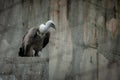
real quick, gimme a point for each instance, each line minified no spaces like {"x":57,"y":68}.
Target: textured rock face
{"x":85,"y":45}
{"x":32,"y":68}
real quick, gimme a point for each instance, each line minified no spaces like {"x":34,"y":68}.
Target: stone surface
{"x":24,"y":69}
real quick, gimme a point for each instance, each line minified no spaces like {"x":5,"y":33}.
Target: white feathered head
{"x":43,"y":28}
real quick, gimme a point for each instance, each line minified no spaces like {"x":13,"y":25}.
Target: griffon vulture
{"x":35,"y":39}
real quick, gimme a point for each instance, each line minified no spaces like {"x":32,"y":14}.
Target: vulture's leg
{"x":36,"y":53}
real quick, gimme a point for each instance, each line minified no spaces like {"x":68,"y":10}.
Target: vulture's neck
{"x":47,"y":26}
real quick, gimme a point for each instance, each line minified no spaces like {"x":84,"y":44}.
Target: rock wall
{"x":85,"y":45}
{"x":31,"y":68}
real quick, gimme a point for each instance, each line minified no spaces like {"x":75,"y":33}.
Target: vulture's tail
{"x":21,"y":52}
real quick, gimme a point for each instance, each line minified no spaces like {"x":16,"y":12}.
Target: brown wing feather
{"x":28,"y":38}
{"x":46,"y":39}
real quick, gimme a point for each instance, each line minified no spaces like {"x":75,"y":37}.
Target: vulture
{"x":35,"y":39}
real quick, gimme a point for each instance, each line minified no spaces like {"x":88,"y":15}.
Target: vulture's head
{"x":43,"y":28}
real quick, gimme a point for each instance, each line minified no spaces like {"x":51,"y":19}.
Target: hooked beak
{"x":53,"y":26}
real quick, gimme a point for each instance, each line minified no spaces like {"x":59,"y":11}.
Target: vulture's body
{"x":35,"y":39}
